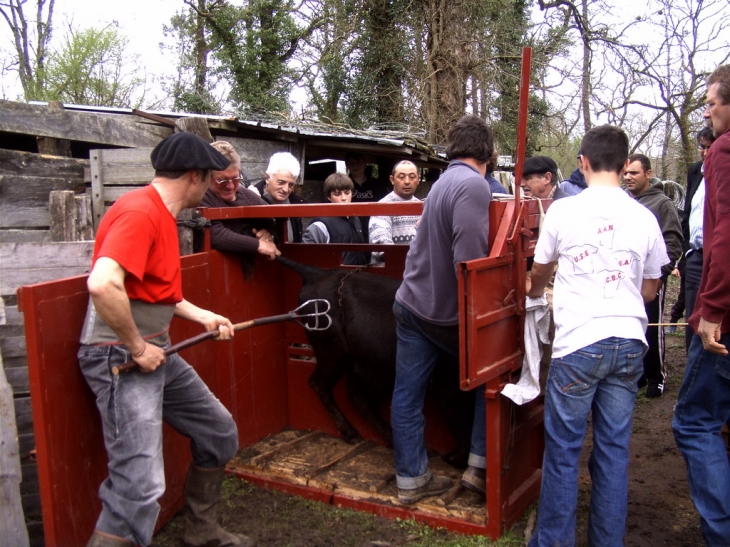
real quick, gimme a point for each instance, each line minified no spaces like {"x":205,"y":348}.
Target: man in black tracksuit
{"x":649,"y":192}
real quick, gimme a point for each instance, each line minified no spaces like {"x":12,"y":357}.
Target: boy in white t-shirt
{"x":609,"y":250}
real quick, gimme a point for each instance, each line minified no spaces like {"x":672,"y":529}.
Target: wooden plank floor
{"x":363,"y":471}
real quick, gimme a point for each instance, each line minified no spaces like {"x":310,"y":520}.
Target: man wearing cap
{"x":240,"y":235}
{"x":278,"y":189}
{"x":540,"y":178}
{"x":135,"y":288}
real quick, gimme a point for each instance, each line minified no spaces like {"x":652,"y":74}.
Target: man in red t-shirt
{"x":135,"y":288}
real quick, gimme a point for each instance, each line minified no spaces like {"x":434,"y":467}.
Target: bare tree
{"x":670,"y":71}
{"x":31,"y":38}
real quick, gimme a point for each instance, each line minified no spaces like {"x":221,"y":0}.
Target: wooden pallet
{"x":361,"y":472}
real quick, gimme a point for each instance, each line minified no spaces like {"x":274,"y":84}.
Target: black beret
{"x":539,"y":164}
{"x":185,"y":151}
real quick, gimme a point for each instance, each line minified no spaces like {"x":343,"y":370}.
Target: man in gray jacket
{"x":648,"y":191}
{"x":454,"y":228}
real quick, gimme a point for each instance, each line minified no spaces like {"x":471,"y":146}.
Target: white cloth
{"x":696,"y":216}
{"x":606,"y":244}
{"x":537,"y":332}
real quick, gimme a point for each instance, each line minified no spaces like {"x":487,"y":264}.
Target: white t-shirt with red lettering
{"x":605,"y":244}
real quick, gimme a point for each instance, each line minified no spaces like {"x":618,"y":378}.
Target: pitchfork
{"x":319,"y":319}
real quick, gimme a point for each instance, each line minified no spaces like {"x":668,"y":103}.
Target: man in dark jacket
{"x":575,"y":183}
{"x":692,"y":231}
{"x":649,"y":192}
{"x":278,"y":189}
{"x":240,"y":235}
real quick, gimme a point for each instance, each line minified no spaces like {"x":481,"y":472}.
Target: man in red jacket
{"x":704,"y":398}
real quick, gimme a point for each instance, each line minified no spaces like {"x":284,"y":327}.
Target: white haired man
{"x":278,"y":189}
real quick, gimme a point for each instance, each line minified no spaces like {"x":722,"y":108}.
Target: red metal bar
{"x":313,"y":210}
{"x":522,"y":119}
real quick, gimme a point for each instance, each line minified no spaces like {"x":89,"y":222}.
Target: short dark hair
{"x":470,"y":137}
{"x":707,"y":134}
{"x":642,"y":159}
{"x":402,"y":162}
{"x":493,"y":160}
{"x":337,"y":181}
{"x":606,"y":147}
{"x":721,"y":75}
{"x":349,"y":156}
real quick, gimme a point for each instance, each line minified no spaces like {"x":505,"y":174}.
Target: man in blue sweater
{"x":454,"y":228}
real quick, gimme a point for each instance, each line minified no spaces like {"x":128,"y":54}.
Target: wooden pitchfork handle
{"x":293,"y":315}
{"x":129,"y":365}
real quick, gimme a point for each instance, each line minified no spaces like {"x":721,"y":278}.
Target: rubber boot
{"x":103,"y":540}
{"x":203,"y":494}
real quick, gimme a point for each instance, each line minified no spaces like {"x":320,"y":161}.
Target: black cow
{"x":361,"y":343}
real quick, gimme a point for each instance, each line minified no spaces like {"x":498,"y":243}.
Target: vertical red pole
{"x":522,"y":121}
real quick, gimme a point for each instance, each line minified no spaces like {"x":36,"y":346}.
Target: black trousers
{"x":692,"y":278}
{"x":655,"y":370}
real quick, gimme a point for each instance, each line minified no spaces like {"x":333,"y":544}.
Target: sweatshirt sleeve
{"x":672,"y":234}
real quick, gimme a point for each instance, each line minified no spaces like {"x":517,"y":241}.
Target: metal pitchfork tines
{"x":320,"y":311}
{"x":316,"y":309}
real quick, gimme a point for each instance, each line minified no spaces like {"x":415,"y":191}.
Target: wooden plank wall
{"x":26,"y":180}
{"x":23,"y":264}
{"x":92,"y":127}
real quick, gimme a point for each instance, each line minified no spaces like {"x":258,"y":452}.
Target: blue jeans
{"x":420,"y":345}
{"x":702,"y":407}
{"x":602,"y":379}
{"x":133,"y":406}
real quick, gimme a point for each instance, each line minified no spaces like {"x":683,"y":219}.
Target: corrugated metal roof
{"x":302,"y":128}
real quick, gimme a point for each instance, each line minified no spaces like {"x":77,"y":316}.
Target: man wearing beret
{"x":135,"y":289}
{"x":540,"y":178}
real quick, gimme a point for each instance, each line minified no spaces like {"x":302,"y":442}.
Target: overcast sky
{"x":140,"y":21}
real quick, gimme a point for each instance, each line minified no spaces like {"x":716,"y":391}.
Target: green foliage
{"x":428,"y":537}
{"x":91,"y":68}
{"x":192,"y":89}
{"x":375,"y":94}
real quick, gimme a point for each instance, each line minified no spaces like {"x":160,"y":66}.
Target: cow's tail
{"x":307,"y":272}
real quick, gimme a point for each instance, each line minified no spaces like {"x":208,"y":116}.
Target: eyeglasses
{"x":235,"y":180}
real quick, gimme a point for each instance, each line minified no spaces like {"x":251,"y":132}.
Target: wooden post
{"x":198,"y":126}
{"x":195,"y":124}
{"x":70,"y":216}
{"x":12,"y":520}
{"x":51,"y":146}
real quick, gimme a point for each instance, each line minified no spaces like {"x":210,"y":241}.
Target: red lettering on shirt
{"x":607,"y":228}
{"x":581,"y":256}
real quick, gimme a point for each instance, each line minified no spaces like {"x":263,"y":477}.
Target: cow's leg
{"x":367,"y":401}
{"x":457,"y":407}
{"x":323,"y":381}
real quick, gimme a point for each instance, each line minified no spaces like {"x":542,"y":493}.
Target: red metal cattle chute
{"x":261,"y":376}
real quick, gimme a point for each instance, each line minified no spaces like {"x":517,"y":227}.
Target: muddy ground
{"x":660,"y":508}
